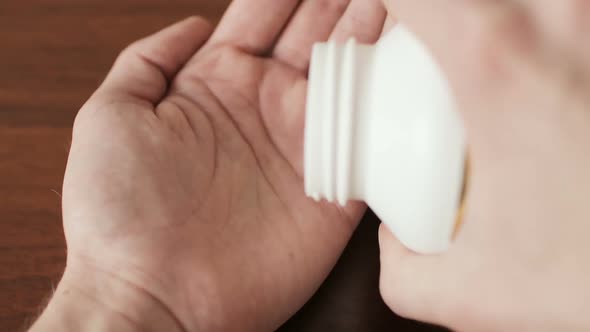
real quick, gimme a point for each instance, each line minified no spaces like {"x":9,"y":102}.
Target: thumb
{"x":412,"y":285}
{"x":144,"y":70}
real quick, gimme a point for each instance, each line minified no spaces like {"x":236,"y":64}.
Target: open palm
{"x":185,"y":173}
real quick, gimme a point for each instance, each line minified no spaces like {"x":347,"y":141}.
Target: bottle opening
{"x":329,"y":122}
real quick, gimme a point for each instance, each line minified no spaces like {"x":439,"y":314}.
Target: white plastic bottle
{"x":382,"y":127}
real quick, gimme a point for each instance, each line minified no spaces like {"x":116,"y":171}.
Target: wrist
{"x":90,"y":300}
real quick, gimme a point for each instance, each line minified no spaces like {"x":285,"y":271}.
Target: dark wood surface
{"x":53,"y":54}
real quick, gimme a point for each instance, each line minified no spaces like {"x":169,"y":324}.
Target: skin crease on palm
{"x":183,"y":195}
{"x":185,"y":173}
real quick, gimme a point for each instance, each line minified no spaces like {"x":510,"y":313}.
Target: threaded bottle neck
{"x":330,"y":130}
{"x":382,"y":127}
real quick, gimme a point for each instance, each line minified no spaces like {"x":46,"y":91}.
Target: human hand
{"x":184,"y":181}
{"x":521,"y":262}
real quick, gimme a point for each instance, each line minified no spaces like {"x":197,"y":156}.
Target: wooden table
{"x":53,"y":54}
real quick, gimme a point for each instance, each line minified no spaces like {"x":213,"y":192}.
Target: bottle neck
{"x":382,"y":127}
{"x":333,"y":171}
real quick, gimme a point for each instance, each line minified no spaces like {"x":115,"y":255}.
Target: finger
{"x":390,"y":22}
{"x":363,"y":20}
{"x":282,"y":107}
{"x":254,"y":25}
{"x":313,"y":22}
{"x":412,"y":286}
{"x":144,"y":70}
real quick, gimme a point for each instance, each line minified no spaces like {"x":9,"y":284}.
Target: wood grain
{"x":53,"y":54}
